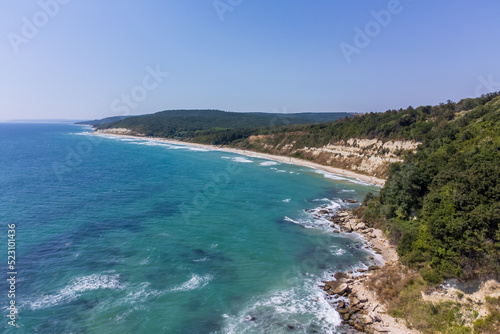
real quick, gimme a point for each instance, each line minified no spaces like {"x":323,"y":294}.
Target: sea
{"x":124,"y":235}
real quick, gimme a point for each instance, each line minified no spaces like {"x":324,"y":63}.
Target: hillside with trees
{"x":212,"y":126}
{"x":442,"y":204}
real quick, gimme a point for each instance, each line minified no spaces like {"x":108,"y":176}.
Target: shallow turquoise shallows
{"x":130,"y":236}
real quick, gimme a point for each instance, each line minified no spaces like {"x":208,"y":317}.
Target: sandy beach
{"x":288,"y":160}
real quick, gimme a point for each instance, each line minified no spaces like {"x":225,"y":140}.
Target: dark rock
{"x":353,"y":301}
{"x":371,"y":258}
{"x":361,"y":270}
{"x":290,"y":327}
{"x":347,"y":200}
{"x":339,"y":275}
{"x":377,"y":318}
{"x":336,"y":231}
{"x":373,"y":268}
{"x":358,"y":327}
{"x":341,"y":304}
{"x":343,"y":310}
{"x":346,"y":316}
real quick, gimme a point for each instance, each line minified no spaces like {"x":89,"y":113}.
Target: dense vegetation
{"x":405,"y":124}
{"x":442,"y":204}
{"x":213,"y":126}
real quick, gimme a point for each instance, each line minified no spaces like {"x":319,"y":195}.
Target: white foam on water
{"x":335,"y":250}
{"x":242,"y":159}
{"x":203,"y":259}
{"x":197,"y":149}
{"x":141,"y":294}
{"x":314,"y":219}
{"x":287,"y":200}
{"x":303,"y":307}
{"x":75,"y":289}
{"x":341,"y":178}
{"x":269,"y":163}
{"x":238,"y":159}
{"x":194,"y":283}
{"x":121,"y":318}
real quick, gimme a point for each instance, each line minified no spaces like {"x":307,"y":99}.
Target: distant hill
{"x":213,"y":126}
{"x":98,"y":122}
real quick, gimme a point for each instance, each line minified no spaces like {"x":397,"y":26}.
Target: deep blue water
{"x":130,"y":236}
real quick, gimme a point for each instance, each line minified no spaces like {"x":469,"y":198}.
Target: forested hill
{"x":213,"y":126}
{"x":441,"y":205}
{"x":98,"y":122}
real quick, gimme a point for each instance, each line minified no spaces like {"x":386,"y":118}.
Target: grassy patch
{"x":401,"y":290}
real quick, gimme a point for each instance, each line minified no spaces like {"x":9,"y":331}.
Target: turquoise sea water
{"x":129,"y":236}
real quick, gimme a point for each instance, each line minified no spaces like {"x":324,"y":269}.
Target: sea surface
{"x":118,"y":235}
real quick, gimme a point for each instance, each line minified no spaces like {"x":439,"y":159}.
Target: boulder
{"x":343,"y":310}
{"x":341,"y":289}
{"x":358,"y":327}
{"x":366,"y":320}
{"x":339,"y":275}
{"x":373,"y":268}
{"x":353,"y":301}
{"x":341,"y":304}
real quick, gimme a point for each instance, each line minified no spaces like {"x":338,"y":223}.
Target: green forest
{"x":210,"y":126}
{"x":441,"y":205}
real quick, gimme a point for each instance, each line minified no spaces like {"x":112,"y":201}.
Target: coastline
{"x":284,"y":159}
{"x":350,"y":293}
{"x":373,"y":312}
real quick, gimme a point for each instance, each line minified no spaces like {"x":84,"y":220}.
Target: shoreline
{"x":283,"y":159}
{"x":357,"y":304}
{"x":371,"y":311}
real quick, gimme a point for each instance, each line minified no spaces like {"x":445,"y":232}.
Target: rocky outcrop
{"x":119,"y":131}
{"x":353,"y":306}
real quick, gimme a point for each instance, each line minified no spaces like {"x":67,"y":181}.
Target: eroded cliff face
{"x":119,"y":131}
{"x":367,"y":156}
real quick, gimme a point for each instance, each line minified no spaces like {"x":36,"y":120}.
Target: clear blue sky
{"x":85,"y":56}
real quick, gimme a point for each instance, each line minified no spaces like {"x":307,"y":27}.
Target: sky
{"x":70,"y":59}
